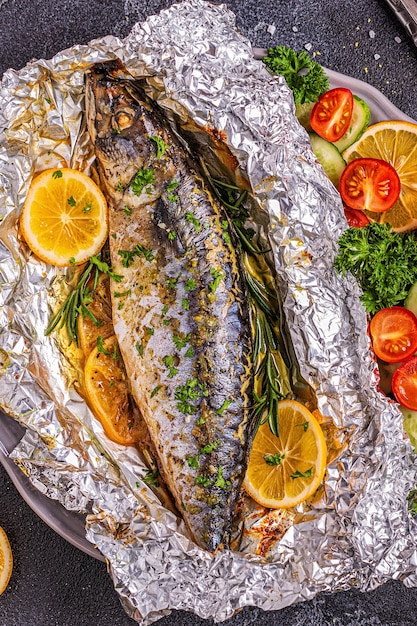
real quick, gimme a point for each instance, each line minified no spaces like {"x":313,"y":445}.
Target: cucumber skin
{"x":329,"y":158}
{"x":360,"y":108}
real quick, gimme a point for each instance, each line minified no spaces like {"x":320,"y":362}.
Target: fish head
{"x":116,"y":123}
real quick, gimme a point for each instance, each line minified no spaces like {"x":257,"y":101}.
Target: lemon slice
{"x":107,"y":391}
{"x":64,"y":217}
{"x":6,"y":561}
{"x":396,"y":142}
{"x":286,"y":470}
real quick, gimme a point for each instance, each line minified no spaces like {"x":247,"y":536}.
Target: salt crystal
{"x":294,"y":29}
{"x":372,"y":34}
{"x":271,"y":29}
{"x":397,"y":39}
{"x":308,"y":46}
{"x":377,"y":56}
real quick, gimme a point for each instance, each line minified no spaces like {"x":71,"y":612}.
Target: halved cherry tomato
{"x":331,"y":115}
{"x":404,"y":384}
{"x":369,"y":185}
{"x":355,"y":218}
{"x":394,"y":334}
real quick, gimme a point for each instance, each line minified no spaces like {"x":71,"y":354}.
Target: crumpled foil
{"x":358,"y":533}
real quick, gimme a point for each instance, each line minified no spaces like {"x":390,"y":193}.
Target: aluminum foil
{"x":357,"y":532}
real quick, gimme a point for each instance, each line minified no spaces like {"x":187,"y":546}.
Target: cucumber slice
{"x":303,"y":112}
{"x":329,"y":158}
{"x":410,"y":425}
{"x":361,"y":116}
{"x":410,"y":302}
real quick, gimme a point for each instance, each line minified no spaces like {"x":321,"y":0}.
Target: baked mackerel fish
{"x":180,"y":313}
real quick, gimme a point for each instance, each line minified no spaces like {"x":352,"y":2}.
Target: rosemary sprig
{"x":270,"y":355}
{"x":78,"y":299}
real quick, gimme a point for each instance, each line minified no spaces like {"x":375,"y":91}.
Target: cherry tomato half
{"x":404,"y":384}
{"x":331,"y":115}
{"x":369,"y":185}
{"x":394,"y":334}
{"x":355,"y":218}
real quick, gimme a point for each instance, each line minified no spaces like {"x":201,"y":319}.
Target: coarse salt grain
{"x":271,"y":29}
{"x":397,"y":39}
{"x":372,"y":34}
{"x":377,"y":56}
{"x":294,"y":29}
{"x":308,"y":46}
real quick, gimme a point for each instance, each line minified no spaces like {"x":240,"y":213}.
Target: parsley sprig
{"x":383,"y":262}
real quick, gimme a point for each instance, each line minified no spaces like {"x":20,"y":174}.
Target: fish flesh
{"x":180,"y":311}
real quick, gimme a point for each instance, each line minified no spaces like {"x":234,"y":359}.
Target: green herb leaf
{"x":306,"y":474}
{"x":193,"y":461}
{"x":71,"y":201}
{"x":161,"y":146}
{"x":274,"y":459}
{"x":190,"y":217}
{"x":155,"y":390}
{"x":190,"y":284}
{"x":139,"y":348}
{"x":217,"y":276}
{"x":143,"y":178}
{"x":88,"y":207}
{"x":202,"y":480}
{"x":224,"y":406}
{"x":57,"y":174}
{"x":150,"y":477}
{"x":210,"y":447}
{"x":220,"y":481}
{"x":168,"y":361}
{"x":306,"y":78}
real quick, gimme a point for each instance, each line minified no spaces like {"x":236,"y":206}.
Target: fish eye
{"x":123,"y":118}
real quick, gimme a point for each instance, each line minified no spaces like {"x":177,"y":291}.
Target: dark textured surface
{"x":54,"y":584}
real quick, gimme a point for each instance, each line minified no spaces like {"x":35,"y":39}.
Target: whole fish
{"x":181,"y":311}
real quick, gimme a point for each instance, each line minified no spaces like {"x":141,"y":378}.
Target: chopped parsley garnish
{"x":220,"y":480}
{"x":139,"y":348}
{"x":150,"y":477}
{"x":150,"y":330}
{"x":102,"y":349}
{"x":57,"y":174}
{"x":155,"y":390}
{"x":200,"y":421}
{"x":185,"y":303}
{"x":190,"y":284}
{"x":168,"y":361}
{"x":306,"y":474}
{"x":164,"y":309}
{"x":88,"y":207}
{"x":190,"y":217}
{"x":304,"y":425}
{"x":172,"y":234}
{"x":122,"y":294}
{"x":172,"y":185}
{"x":72,"y":260}
{"x":210,"y":447}
{"x":127,"y":210}
{"x":71,"y":201}
{"x":104,"y":267}
{"x":161,"y":146}
{"x":202,"y":480}
{"x":193,"y":461}
{"x":217,"y":277}
{"x":180,"y":342}
{"x":172,"y":282}
{"x":274,"y":459}
{"x":119,"y":187}
{"x":172,"y":197}
{"x":190,"y":353}
{"x":224,"y":406}
{"x":143,"y":178}
{"x":184,"y":394}
{"x":139,"y":251}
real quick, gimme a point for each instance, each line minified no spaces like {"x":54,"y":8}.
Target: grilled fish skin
{"x":183,"y":328}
